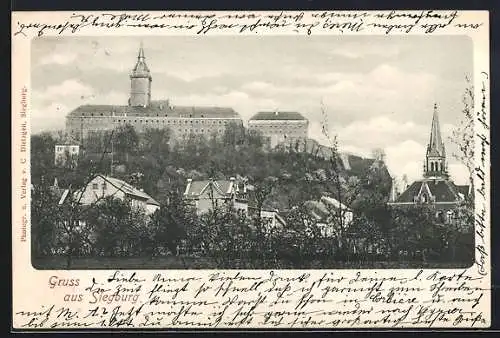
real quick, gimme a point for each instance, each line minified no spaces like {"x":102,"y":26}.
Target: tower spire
{"x":435,"y":142}
{"x":435,"y":162}
{"x":141,"y":56}
{"x":140,"y":82}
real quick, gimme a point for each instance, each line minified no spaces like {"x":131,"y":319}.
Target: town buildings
{"x":205,"y":195}
{"x":280,"y":127}
{"x":143,"y":113}
{"x":435,"y":188}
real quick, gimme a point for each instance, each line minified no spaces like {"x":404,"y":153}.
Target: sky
{"x":378,"y":91}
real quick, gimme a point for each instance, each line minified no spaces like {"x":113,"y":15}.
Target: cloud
{"x":71,"y":87}
{"x":357,"y":51}
{"x":240,"y":101}
{"x":405,"y":158}
{"x":47,"y":118}
{"x":58,"y":59}
{"x":379,"y":132}
{"x":458,"y":173}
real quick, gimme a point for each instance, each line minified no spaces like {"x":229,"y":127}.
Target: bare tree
{"x":463,"y":135}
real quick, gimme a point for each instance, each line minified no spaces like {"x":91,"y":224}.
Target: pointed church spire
{"x":435,"y":143}
{"x":435,"y":162}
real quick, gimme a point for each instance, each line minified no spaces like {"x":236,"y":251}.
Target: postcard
{"x":251,"y":170}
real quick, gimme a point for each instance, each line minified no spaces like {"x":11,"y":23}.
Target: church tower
{"x":140,"y":82}
{"x":435,"y":159}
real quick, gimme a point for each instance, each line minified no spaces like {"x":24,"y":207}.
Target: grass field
{"x":189,"y":262}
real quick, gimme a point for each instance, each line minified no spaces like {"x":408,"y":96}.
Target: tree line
{"x":283,"y":179}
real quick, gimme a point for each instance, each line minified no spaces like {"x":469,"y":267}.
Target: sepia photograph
{"x":252,"y":152}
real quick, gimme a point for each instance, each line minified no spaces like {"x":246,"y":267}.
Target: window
{"x":95,"y":186}
{"x":103,"y":185}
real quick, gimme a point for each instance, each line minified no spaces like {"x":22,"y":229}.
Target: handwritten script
{"x":203,"y":23}
{"x":234,"y":299}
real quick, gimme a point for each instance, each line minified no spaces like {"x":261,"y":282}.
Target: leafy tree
{"x":171,"y":222}
{"x":125,"y":141}
{"x":43,"y":220}
{"x":155,"y":142}
{"x":118,"y":229}
{"x":42,"y":156}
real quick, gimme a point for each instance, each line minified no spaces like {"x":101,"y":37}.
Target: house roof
{"x":155,"y":109}
{"x":196,"y":188}
{"x":126,"y":188}
{"x":443,"y":190}
{"x":326,"y":200}
{"x":122,"y":186}
{"x":280,"y":115}
{"x":321,"y":209}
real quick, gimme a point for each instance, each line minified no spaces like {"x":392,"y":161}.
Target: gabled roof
{"x":280,"y":115}
{"x":443,"y":191}
{"x":333,"y":202}
{"x":126,"y":188}
{"x":197,"y":188}
{"x":121,"y":185}
{"x":321,"y":209}
{"x":155,"y":109}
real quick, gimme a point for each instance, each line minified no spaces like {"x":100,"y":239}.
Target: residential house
{"x":105,"y":186}
{"x":204,"y":195}
{"x":271,"y":218}
{"x":328,"y":214}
